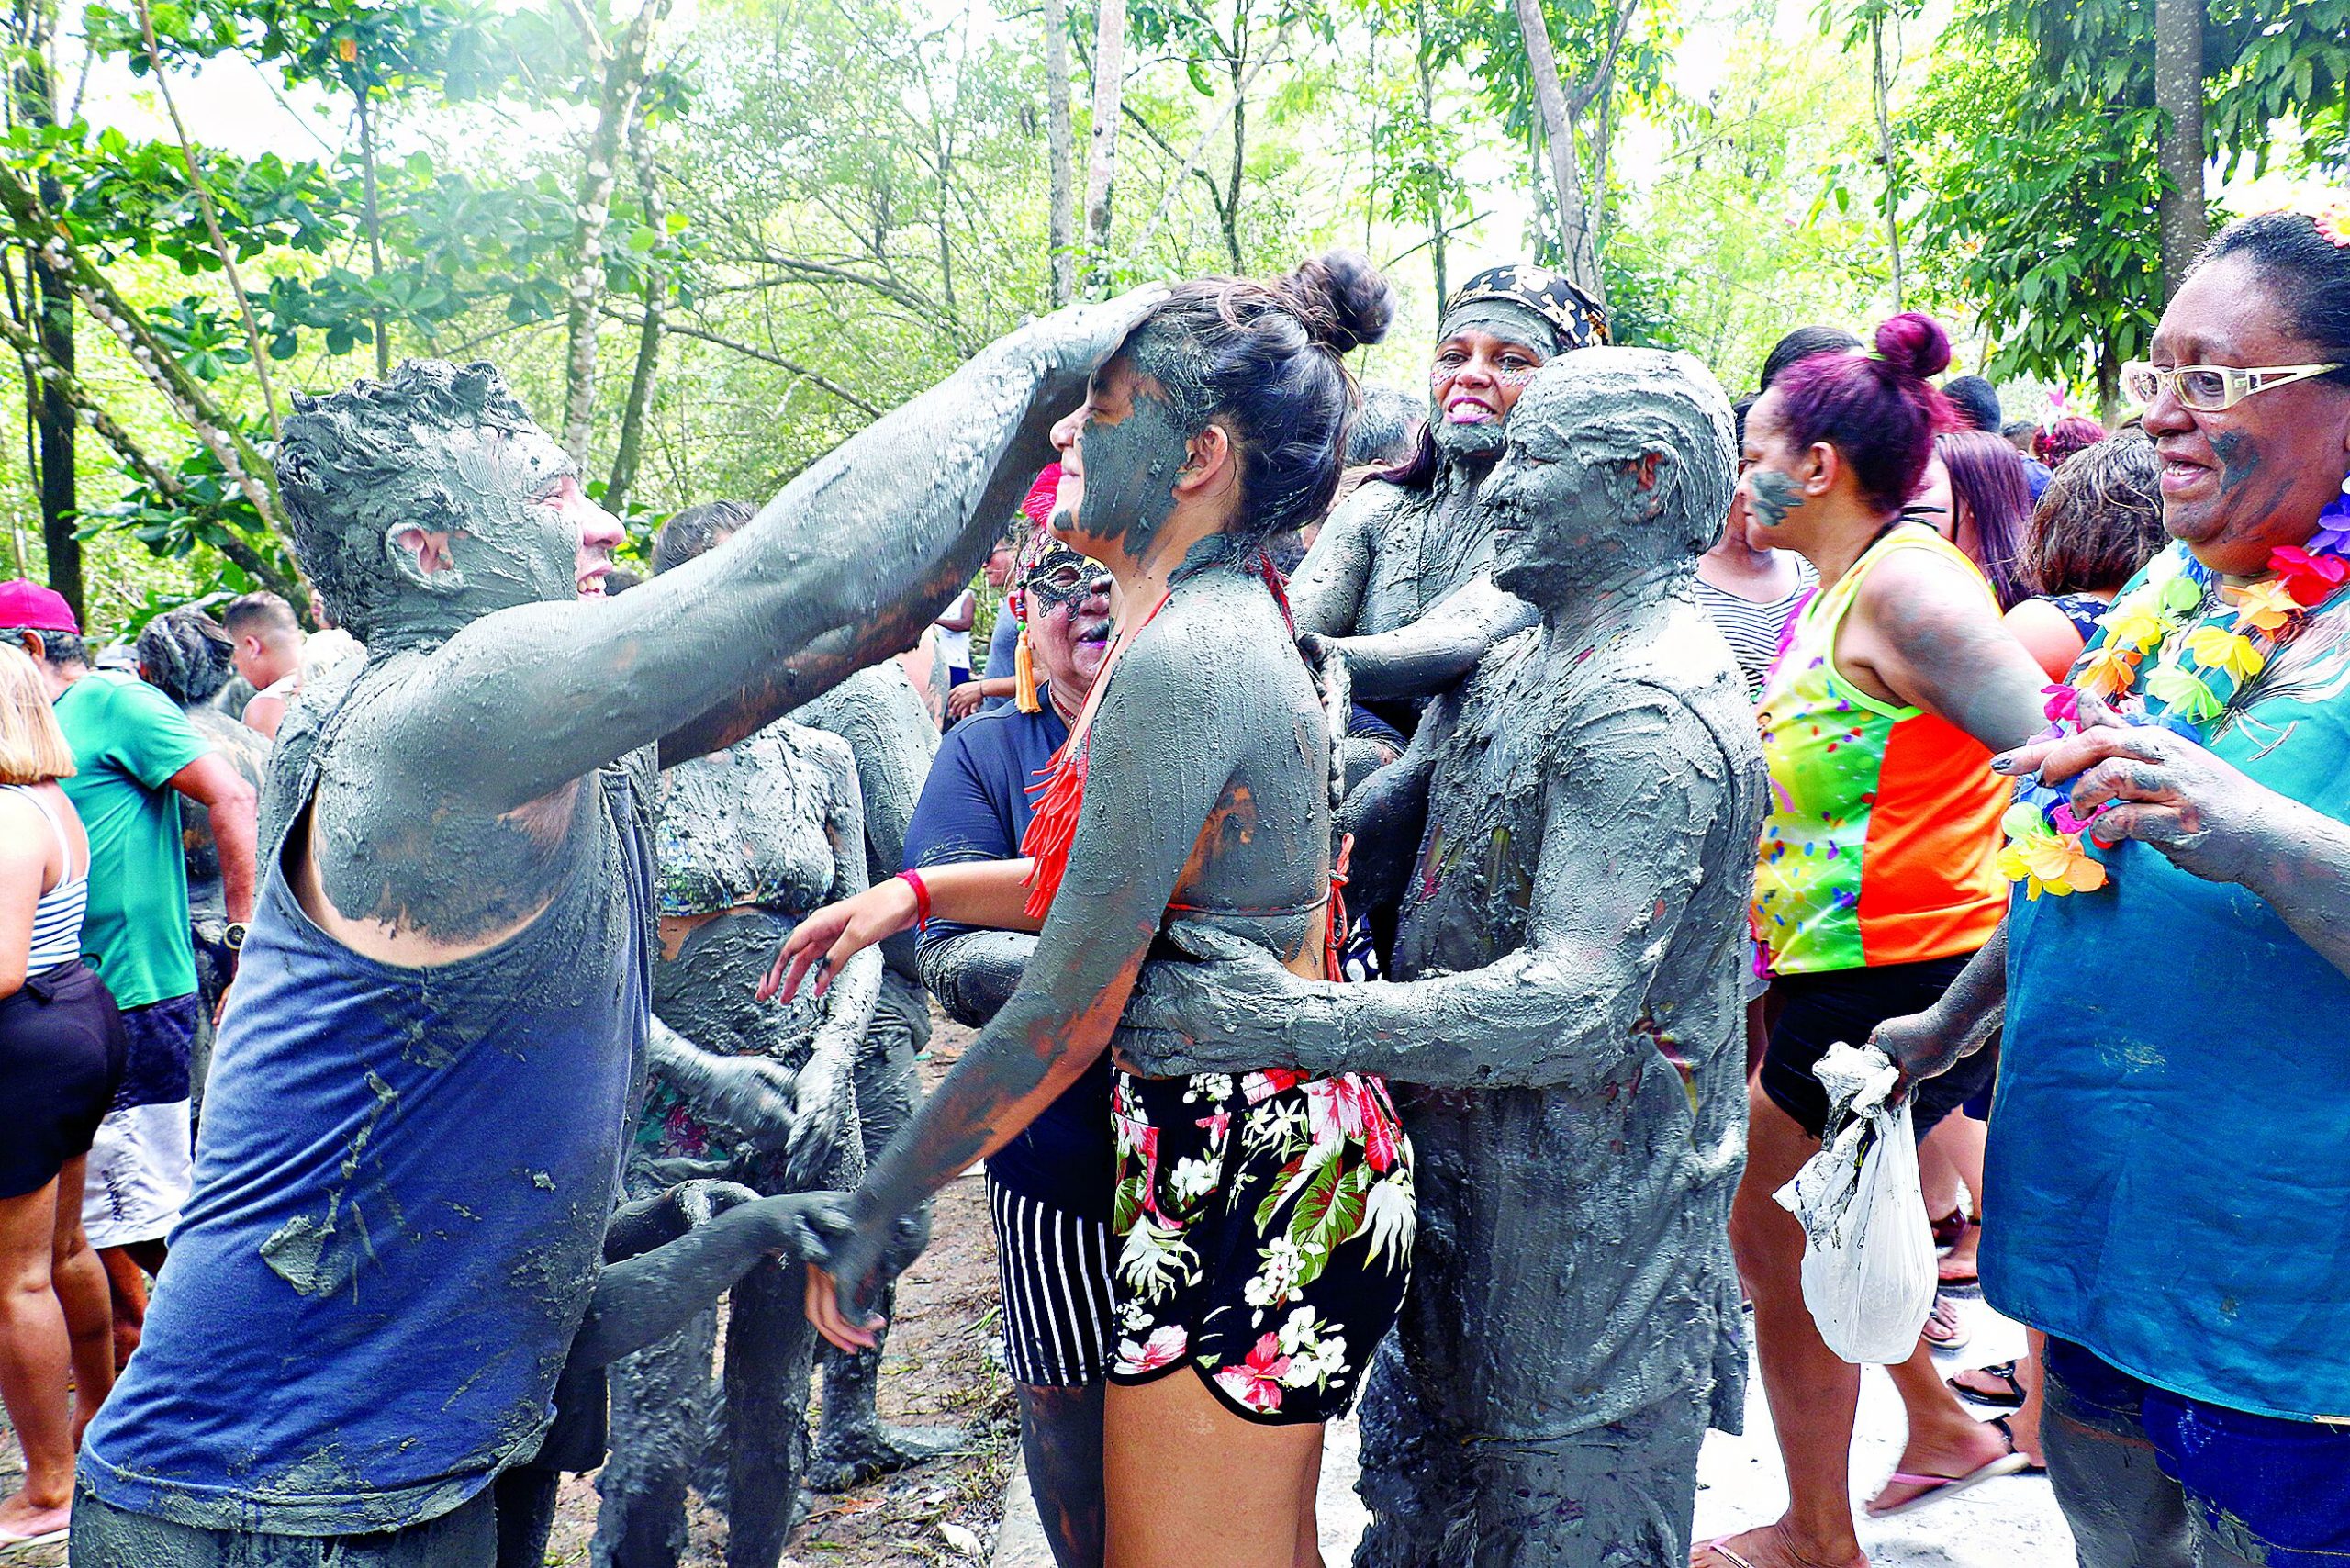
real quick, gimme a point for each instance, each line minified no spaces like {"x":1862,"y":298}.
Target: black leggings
{"x":1845,"y":1004}
{"x":62,"y":1055}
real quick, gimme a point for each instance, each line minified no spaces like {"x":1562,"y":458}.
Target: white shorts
{"x":139,"y":1174}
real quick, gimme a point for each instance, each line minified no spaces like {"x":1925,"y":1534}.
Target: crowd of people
{"x":1404,"y":875}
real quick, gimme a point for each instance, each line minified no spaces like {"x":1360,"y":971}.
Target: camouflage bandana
{"x":1579,"y":320}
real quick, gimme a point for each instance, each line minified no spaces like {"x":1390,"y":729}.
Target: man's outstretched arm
{"x":1441,"y":647}
{"x":876,"y":534}
{"x":1626,"y":828}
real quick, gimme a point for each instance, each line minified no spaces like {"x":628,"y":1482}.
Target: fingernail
{"x":2003,"y":764}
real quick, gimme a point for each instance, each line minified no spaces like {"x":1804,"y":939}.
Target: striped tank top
{"x":1884,"y":830}
{"x":57,"y":918}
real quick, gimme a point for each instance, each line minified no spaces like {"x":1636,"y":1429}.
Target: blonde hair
{"x":32,"y":748}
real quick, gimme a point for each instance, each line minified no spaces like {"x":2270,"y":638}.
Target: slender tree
{"x":1060,"y":154}
{"x":2179,"y":215}
{"x":1102,"y":165}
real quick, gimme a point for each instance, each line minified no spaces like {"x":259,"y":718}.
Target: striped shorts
{"x":1055,"y":1267}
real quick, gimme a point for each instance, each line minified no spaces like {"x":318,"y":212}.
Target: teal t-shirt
{"x":128,"y":741}
{"x":2164,"y":1182}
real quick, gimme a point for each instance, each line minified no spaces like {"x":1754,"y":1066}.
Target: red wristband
{"x":922,"y":896}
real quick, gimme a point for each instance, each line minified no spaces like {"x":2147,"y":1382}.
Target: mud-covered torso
{"x":1426,"y":543}
{"x":1572,"y":1262}
{"x":749,"y":826}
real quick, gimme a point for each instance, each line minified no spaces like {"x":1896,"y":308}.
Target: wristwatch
{"x":233,"y":936}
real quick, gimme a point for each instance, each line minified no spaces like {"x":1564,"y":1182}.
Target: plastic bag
{"x":1868,"y":1256}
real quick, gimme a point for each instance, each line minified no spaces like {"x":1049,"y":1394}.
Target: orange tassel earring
{"x":1024,"y":671}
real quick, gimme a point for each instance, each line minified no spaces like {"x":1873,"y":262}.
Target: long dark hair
{"x":1986,"y":478}
{"x":1267,"y":359}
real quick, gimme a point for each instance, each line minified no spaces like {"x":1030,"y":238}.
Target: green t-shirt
{"x":128,"y":741}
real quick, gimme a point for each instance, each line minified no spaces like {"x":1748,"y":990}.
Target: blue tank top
{"x":401,"y":1188}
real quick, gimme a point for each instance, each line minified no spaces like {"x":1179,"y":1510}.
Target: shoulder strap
{"x":57,"y":826}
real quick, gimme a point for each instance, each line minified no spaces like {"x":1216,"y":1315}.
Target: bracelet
{"x":921,"y":897}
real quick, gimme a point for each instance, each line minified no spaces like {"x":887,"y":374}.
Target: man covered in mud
{"x":1564,"y":1031}
{"x":418,"y":1100}
{"x":1401,"y":576}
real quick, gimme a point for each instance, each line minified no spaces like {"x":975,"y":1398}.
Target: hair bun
{"x":1344,"y":300}
{"x":1914,"y":344}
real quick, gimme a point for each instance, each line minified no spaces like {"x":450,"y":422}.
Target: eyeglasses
{"x":2211,"y":388}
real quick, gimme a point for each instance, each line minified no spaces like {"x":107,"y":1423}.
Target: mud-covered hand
{"x":2153,"y":784}
{"x":853,"y":1255}
{"x":1223,"y":1013}
{"x":756,"y":1096}
{"x":1922,"y":1044}
{"x":1072,"y":343}
{"x":835,"y":934}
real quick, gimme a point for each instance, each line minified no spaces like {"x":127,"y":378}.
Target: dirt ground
{"x":943,"y":1366}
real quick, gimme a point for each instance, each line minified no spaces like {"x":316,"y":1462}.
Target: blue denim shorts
{"x":2285,"y":1483}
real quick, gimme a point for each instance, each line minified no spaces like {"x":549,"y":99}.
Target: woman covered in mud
{"x":1266,"y":1218}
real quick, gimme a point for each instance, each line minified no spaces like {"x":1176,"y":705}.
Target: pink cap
{"x":1038,"y":503}
{"x":26,"y":603}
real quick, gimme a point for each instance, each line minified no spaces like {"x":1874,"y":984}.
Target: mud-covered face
{"x":510,"y":523}
{"x":1120,"y":455}
{"x":1565,"y":518}
{"x":1490,"y":348}
{"x":2237,"y":483}
{"x":1772,"y":479}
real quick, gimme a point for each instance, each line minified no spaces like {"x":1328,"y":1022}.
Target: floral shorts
{"x":1265,"y":1228}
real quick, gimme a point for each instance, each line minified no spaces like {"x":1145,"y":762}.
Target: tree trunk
{"x":1101,"y":171}
{"x":624,"y":80}
{"x":2108,"y":382}
{"x":48,"y":307}
{"x":1231,"y":204}
{"x":626,"y":457}
{"x":1427,"y":123}
{"x":1558,"y":137}
{"x":374,"y":228}
{"x":1061,"y":144}
{"x":1881,"y":84}
{"x":2179,"y":215}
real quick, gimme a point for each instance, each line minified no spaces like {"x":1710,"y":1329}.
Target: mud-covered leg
{"x":1060,"y":1438}
{"x":1416,"y":1479}
{"x":852,"y":1443}
{"x":769,"y":1352}
{"x":1619,"y":1497}
{"x":661,"y":1398}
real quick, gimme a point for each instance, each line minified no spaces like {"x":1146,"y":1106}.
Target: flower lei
{"x":2172,"y":653}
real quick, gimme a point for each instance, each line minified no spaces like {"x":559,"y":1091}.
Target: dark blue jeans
{"x":2152,"y":1479}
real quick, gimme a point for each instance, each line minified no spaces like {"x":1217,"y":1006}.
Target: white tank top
{"x":57,"y":918}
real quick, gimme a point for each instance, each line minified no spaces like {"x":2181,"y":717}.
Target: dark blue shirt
{"x":976,"y":806}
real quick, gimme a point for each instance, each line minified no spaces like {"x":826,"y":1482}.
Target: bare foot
{"x":1957,"y":1267}
{"x":22,"y":1521}
{"x":1768,"y":1547}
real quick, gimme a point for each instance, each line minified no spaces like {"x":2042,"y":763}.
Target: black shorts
{"x":1820,"y":1009}
{"x":62,"y":1052}
{"x":1057,"y":1299}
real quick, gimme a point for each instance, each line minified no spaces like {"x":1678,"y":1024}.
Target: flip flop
{"x":12,"y":1543}
{"x":1944,"y":1316}
{"x":1716,"y":1548}
{"x":2008,"y":1432}
{"x":1939,"y":1486}
{"x":2005,"y":1373}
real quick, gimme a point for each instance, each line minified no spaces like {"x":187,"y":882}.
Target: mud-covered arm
{"x":1931,"y":634}
{"x":887,"y":525}
{"x":1929,"y":1044}
{"x":1636,"y":795}
{"x":1438,"y":648}
{"x":974,"y":973}
{"x":653,"y":1292}
{"x":1326,"y":591}
{"x":1164,"y":744}
{"x":1387,"y":814}
{"x":756,"y":1097}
